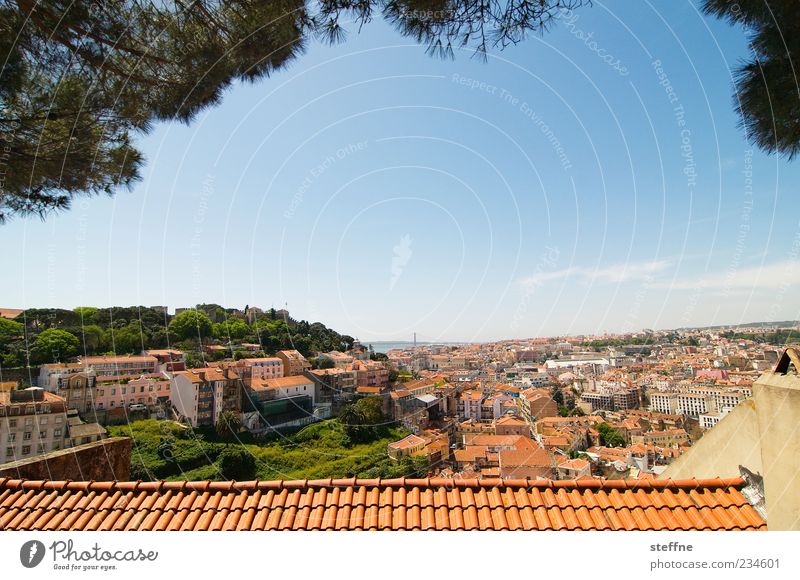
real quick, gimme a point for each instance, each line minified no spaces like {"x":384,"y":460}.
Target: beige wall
{"x":762,"y":434}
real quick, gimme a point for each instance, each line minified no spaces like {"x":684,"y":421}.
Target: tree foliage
{"x":129,"y":330}
{"x":237,"y":463}
{"x":767,"y":84}
{"x":191,"y":324}
{"x":55,"y":345}
{"x":609,"y":436}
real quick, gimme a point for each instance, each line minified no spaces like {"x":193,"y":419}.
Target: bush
{"x":237,"y":463}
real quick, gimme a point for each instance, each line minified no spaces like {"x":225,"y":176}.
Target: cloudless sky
{"x":382,"y":191}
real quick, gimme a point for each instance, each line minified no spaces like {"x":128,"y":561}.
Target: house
{"x":333,"y":385}
{"x":294,"y":363}
{"x":574,"y":468}
{"x":510,"y":425}
{"x":371,"y":374}
{"x":169,"y":360}
{"x":32,"y":422}
{"x":536,"y":403}
{"x":122,"y":392}
{"x":261,"y":368}
{"x":277,"y":402}
{"x":527,"y":459}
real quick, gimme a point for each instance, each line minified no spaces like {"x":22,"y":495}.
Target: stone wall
{"x":104,"y":460}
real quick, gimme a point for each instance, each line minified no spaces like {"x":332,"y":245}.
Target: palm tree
{"x":228,"y":424}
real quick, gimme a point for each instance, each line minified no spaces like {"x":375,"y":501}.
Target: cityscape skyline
{"x":552,"y":190}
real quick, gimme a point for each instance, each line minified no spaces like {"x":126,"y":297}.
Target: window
{"x":30,"y":410}
{"x":124,"y":390}
{"x":44,"y":420}
{"x":28,"y":421}
{"x":27,"y":435}
{"x":141,"y":389}
{"x":12,"y":437}
{"x":56,"y":432}
{"x":56,"y":446}
{"x":113,"y":392}
{"x":40,"y":448}
{"x":113,"y":404}
{"x":59,"y":419}
{"x":26,"y":449}
{"x":12,"y":423}
{"x":9,"y":451}
{"x":43,"y":434}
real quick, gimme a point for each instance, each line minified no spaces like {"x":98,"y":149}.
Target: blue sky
{"x":590,"y":180}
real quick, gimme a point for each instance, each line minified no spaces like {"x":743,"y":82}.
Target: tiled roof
{"x":375,"y":504}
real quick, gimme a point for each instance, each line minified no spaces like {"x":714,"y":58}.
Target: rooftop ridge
{"x":435,"y":482}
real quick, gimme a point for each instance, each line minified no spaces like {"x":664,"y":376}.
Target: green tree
{"x":93,"y":338}
{"x":228,"y":424}
{"x":767,"y":89}
{"x":609,"y":436}
{"x":55,"y":345}
{"x":127,"y":339}
{"x":236,"y":463}
{"x":191,"y":324}
{"x":231,"y":329}
{"x":325,"y":363}
{"x":9,"y":330}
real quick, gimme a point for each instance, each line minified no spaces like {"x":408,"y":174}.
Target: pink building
{"x":115,"y":393}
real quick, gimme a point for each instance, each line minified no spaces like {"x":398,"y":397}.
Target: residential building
{"x":294,"y":363}
{"x":114,"y":366}
{"x":201,"y":395}
{"x":32,"y":422}
{"x":333,"y":385}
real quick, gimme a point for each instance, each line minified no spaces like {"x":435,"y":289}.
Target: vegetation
{"x":609,"y":437}
{"x":44,"y":335}
{"x":363,"y":420}
{"x":168,"y":450}
{"x":766,"y":83}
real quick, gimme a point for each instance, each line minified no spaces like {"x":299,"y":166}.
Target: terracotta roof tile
{"x":389,"y":504}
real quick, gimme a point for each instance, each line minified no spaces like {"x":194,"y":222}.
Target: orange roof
{"x":10,"y":312}
{"x":375,"y":504}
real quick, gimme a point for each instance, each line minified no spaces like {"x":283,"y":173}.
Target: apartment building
{"x":32,"y":422}
{"x":371,"y":374}
{"x":113,"y":393}
{"x":201,"y":395}
{"x":51,"y":374}
{"x":332,"y":385}
{"x":275,"y":402}
{"x":536,"y":403}
{"x":666,"y":403}
{"x":76,"y":388}
{"x":695,"y":404}
{"x":294,"y":363}
{"x":261,"y":368}
{"x":340,"y":359}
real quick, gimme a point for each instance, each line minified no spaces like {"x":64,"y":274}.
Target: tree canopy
{"x":767,"y":84}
